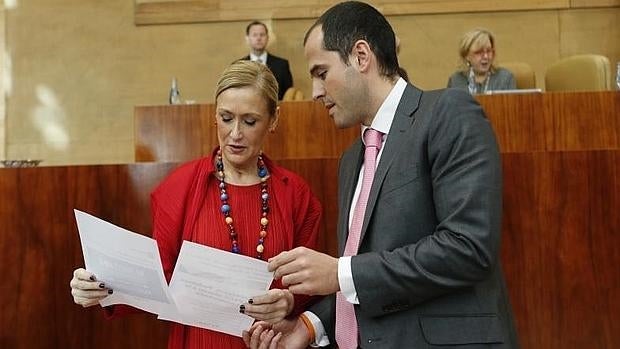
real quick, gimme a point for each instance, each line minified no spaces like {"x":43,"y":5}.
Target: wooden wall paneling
{"x":174,"y":133}
{"x":594,"y":3}
{"x":306,"y":130}
{"x":192,"y":11}
{"x":180,"y":133}
{"x":559,"y":249}
{"x":40,"y":248}
{"x":321,"y":175}
{"x":517,"y":120}
{"x":582,"y":120}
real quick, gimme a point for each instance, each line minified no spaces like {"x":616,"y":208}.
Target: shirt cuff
{"x":320,"y":336}
{"x":345,"y":279}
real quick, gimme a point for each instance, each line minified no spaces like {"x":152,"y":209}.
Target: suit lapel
{"x":403,"y":119}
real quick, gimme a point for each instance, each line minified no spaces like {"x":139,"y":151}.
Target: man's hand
{"x":288,"y":333}
{"x":306,"y":271}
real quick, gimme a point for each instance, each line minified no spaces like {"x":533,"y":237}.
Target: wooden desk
{"x":528,"y":122}
{"x":184,"y":132}
{"x":557,"y":121}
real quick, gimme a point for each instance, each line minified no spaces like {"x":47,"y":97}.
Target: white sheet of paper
{"x":208,"y":285}
{"x":127,"y":262}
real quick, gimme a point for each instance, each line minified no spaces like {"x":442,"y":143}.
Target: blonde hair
{"x":245,"y":73}
{"x":477,"y":37}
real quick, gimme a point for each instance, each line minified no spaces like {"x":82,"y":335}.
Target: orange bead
{"x":263,"y":233}
{"x":229,"y":220}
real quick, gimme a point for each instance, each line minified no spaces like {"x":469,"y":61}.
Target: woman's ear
{"x":273,"y":124}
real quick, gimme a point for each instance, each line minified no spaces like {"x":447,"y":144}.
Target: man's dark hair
{"x":350,"y":21}
{"x":253,"y":23}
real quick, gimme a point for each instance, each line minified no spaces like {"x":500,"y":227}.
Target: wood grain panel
{"x":522,"y":122}
{"x":594,"y":3}
{"x":560,"y":247}
{"x":40,"y":247}
{"x":554,"y":121}
{"x":183,"y":132}
{"x":172,"y":130}
{"x":577,"y":121}
{"x":192,"y":11}
{"x":517,"y":120}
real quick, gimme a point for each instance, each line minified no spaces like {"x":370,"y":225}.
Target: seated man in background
{"x":478,"y":74}
{"x":257,"y":37}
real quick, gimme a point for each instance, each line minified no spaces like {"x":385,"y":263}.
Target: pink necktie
{"x":346,"y":323}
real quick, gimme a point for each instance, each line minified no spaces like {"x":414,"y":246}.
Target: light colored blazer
{"x":427,"y":272}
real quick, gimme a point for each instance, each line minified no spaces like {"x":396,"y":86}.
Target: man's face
{"x":257,"y":38}
{"x":338,"y":85}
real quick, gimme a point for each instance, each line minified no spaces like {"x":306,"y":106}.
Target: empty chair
{"x":523,"y":74}
{"x":587,"y":72}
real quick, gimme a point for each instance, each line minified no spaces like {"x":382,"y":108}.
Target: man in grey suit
{"x":426,"y":272}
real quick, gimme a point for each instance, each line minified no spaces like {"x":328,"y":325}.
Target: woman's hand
{"x":85,"y":288}
{"x":271,"y":307}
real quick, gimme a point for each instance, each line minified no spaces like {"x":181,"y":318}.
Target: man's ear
{"x":362,"y":54}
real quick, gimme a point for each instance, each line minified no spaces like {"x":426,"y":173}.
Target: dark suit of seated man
{"x":257,"y":37}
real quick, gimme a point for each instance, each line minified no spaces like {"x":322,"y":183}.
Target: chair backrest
{"x":299,"y":95}
{"x":587,"y":72}
{"x":523,"y":73}
{"x":289,"y":95}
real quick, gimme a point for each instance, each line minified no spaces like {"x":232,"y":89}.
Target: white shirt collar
{"x":262,"y":57}
{"x":382,"y":121}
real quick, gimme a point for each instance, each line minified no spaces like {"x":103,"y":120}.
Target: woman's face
{"x":243,"y":121}
{"x":480,"y":56}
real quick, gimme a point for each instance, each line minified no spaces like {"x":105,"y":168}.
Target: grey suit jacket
{"x":427,"y":272}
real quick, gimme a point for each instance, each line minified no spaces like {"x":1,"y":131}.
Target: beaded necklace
{"x":226,"y":210}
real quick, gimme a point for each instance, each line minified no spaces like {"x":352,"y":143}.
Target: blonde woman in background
{"x":478,"y":74}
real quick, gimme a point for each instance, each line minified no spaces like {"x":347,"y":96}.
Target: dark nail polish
{"x":102,"y":285}
{"x":110,"y":291}
{"x":242,"y":309}
{"x":251,"y":301}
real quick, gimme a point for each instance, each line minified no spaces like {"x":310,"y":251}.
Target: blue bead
{"x":262,"y":172}
{"x":224,"y":197}
{"x":225,"y":208}
{"x":235,"y":249}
